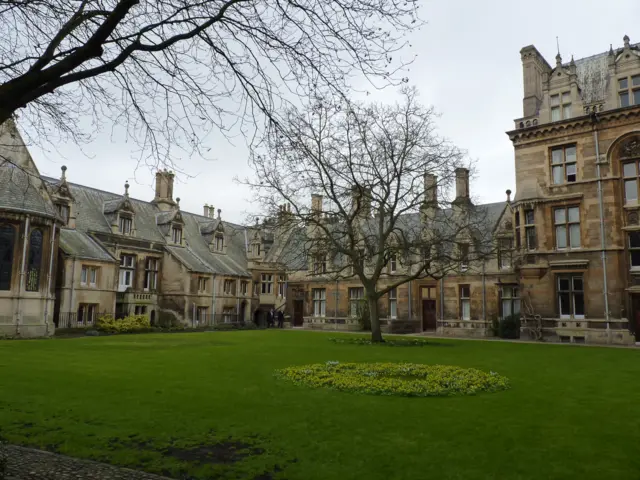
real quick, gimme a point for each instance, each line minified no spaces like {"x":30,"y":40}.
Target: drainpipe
{"x":410,"y":288}
{"x":603,"y":254}
{"x":73,"y":285}
{"x":238,"y":299}
{"x":442,"y":300}
{"x":335,"y":312}
{"x":46,"y":304}
{"x":21,"y":287}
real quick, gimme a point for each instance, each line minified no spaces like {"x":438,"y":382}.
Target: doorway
{"x":298,"y":313}
{"x":242,"y":312}
{"x":635,"y":303}
{"x":429,"y":315}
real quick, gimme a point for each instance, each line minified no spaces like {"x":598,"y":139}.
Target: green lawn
{"x":207,"y":405}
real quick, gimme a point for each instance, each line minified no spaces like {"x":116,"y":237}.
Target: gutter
{"x":603,"y":253}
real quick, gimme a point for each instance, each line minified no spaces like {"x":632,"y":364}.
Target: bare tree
{"x":169,"y":71}
{"x":380,"y":181}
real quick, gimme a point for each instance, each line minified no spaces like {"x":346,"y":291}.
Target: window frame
{"x":464,"y":256}
{"x":125,"y":220}
{"x":567,"y":224}
{"x":320,"y":264}
{"x":530,"y":228}
{"x":266,"y":282}
{"x":90,"y":309}
{"x":176,"y":234}
{"x":393,"y":263}
{"x":64,"y":210}
{"x":564,"y":164}
{"x":628,"y":178}
{"x":319,"y":299}
{"x":151,"y":267}
{"x":630,"y":89}
{"x":505,"y":252}
{"x":571,"y":292}
{"x":561,"y":106}
{"x":244,"y":288}
{"x":203,"y":283}
{"x":34,"y":261}
{"x":228,"y":286}
{"x":125,"y":269}
{"x":281,"y":286}
{"x":392,"y":296}
{"x":512,"y":299}
{"x":633,"y":249}
{"x":8,"y":238}
{"x":356,"y":295}
{"x":218,"y":240}
{"x":464,"y":300}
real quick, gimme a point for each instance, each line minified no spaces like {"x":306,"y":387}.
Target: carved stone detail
{"x":632,"y":218}
{"x":630,"y":148}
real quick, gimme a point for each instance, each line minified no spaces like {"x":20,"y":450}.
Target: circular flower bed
{"x":404,"y":379}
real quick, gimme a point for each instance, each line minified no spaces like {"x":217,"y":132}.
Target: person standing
{"x":270,"y":319}
{"x":280,"y":319}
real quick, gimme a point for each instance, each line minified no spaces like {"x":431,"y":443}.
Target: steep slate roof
{"x":21,"y":188}
{"x":90,"y":205}
{"x":79,"y":244}
{"x":593,"y":75}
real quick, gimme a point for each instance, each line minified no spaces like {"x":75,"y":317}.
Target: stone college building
{"x":568,"y":242}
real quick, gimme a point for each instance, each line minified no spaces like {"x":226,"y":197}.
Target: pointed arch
{"x":34,"y":262}
{"x":7,"y":248}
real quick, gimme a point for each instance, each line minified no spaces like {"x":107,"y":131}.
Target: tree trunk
{"x":376,"y":334}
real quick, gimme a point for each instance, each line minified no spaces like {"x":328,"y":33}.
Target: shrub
{"x":388,"y":342}
{"x":404,"y":379}
{"x":132,"y":323}
{"x":509,"y":327}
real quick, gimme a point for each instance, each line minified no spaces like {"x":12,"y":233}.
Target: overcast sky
{"x":468,"y":67}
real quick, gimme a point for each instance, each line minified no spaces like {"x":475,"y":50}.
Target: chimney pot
{"x":508,"y":196}
{"x":164,"y":190}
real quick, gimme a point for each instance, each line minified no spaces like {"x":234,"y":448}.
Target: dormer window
{"x":125,"y":224}
{"x":63,"y":211}
{"x":320,"y":264}
{"x":560,"y":106}
{"x":219,"y":242}
{"x":256,"y":249}
{"x":176,"y":234}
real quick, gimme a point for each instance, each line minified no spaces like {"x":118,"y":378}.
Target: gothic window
{"x":34,"y":261}
{"x":7,"y":240}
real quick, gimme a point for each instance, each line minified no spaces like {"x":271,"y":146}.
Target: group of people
{"x":272,"y":317}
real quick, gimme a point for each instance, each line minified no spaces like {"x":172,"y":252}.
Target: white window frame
{"x":464,"y":293}
{"x":127,"y":270}
{"x":151,"y":274}
{"x":244,"y":288}
{"x":572,"y":292}
{"x":632,"y":86}
{"x":565,"y":228}
{"x":393,"y":263}
{"x":84,"y":275}
{"x":356,"y":294}
{"x":505,"y":253}
{"x":319,"y":296}
{"x":510,"y":298}
{"x":393,"y":303}
{"x":281,"y":286}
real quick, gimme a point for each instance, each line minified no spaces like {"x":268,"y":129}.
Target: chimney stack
{"x":430,"y":189}
{"x":164,"y":190}
{"x":462,"y":183}
{"x":316,"y":203}
{"x":361,"y":200}
{"x":206,"y":210}
{"x":535,"y":70}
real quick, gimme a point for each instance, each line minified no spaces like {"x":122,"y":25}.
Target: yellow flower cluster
{"x":132,"y":323}
{"x":404,"y":379}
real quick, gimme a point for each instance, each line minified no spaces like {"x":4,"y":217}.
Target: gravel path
{"x":29,"y":464}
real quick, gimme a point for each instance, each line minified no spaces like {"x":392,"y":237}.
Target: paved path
{"x":29,"y":464}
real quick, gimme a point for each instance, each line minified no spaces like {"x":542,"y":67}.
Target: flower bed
{"x":389,"y":342}
{"x":404,"y":379}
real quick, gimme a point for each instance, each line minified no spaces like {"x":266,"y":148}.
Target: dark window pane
{"x":623,"y":83}
{"x":563,"y":284}
{"x":35,"y":258}
{"x":528,"y":216}
{"x":635,"y":81}
{"x":578,"y":303}
{"x":517,"y":219}
{"x":565,"y":306}
{"x":577,"y":284}
{"x":531,"y":238}
{"x":635,"y":258}
{"x":636,"y":97}
{"x":7,"y":238}
{"x":624,"y":99}
{"x":634,"y":239}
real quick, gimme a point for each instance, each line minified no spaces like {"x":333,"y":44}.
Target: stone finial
{"x":573,"y":62}
{"x":126,"y":188}
{"x":611,"y":50}
{"x":64,"y":173}
{"x":257,"y":221}
{"x":558,"y":60}
{"x":508,"y":195}
{"x":219,"y":213}
{"x":178,"y":202}
{"x":626,"y":41}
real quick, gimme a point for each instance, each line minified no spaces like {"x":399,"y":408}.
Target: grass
{"x":206,"y":405}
